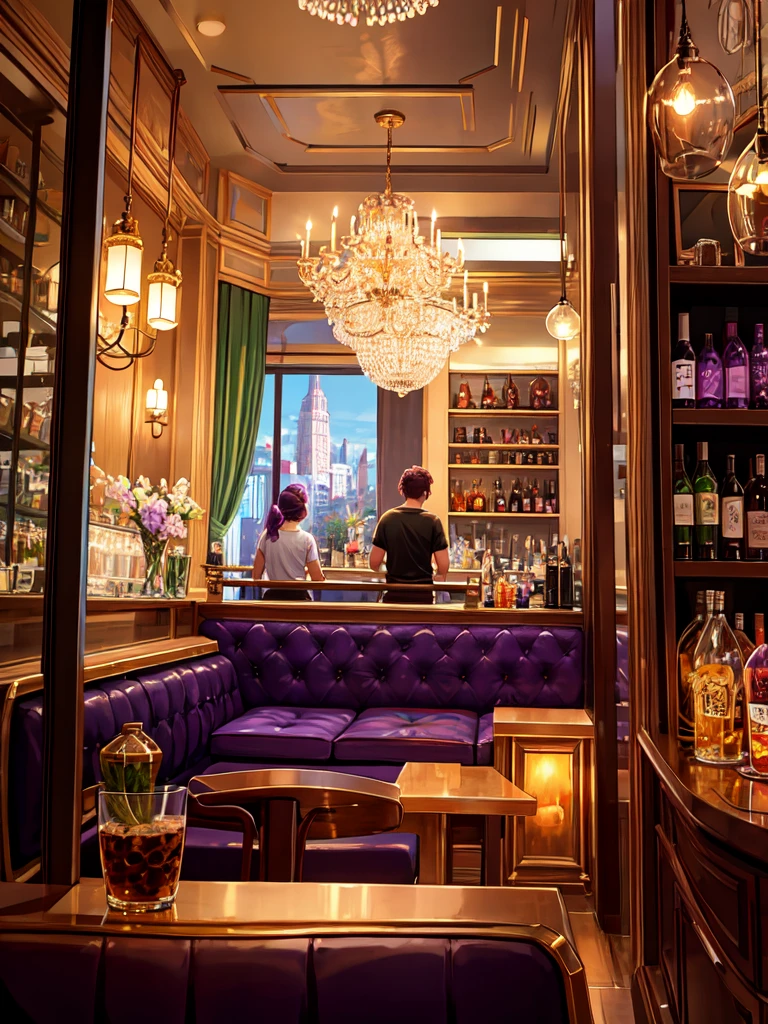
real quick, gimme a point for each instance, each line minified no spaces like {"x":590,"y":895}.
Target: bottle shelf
{"x":718,"y":275}
{"x":503,"y":467}
{"x":506,"y":515}
{"x":534,"y":413}
{"x":721,"y":570}
{"x":720,"y":417}
{"x":544,"y":446}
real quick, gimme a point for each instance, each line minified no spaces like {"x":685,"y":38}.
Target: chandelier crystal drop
{"x":383,"y":288}
{"x":375,"y":12}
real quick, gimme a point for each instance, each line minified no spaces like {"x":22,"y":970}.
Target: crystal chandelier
{"x":349,"y":12}
{"x":382,"y":289}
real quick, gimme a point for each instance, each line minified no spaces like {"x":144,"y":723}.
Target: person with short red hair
{"x":411,"y":537}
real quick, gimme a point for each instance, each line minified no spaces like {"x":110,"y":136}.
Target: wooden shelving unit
{"x":718,"y":275}
{"x":479,"y":413}
{"x":504,"y":515}
{"x":721,"y":570}
{"x":720,"y":417}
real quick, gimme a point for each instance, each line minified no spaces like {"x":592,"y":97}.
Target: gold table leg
{"x":432,"y":831}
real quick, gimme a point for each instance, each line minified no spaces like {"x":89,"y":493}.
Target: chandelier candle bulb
{"x":485,"y":296}
{"x":432,"y":229}
{"x":460,"y":254}
{"x":474,"y":301}
{"x":309,"y":229}
{"x":352,"y":221}
{"x":439,"y":245}
{"x":466,"y":289}
{"x":333,"y":228}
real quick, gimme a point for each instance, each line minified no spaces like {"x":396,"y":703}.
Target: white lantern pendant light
{"x":748,"y":185}
{"x":164,"y":281}
{"x":563,"y":322}
{"x":690,"y":112}
{"x":124,"y":247}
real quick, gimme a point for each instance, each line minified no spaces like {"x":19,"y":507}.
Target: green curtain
{"x":241,"y":357}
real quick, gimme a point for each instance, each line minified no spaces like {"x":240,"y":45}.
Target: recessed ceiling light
{"x":210,"y":26}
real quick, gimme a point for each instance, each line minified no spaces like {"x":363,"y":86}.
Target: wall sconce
{"x":547,"y":752}
{"x":124,"y":250}
{"x":157,"y":408}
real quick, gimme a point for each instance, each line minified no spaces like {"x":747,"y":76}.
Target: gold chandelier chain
{"x":388,"y":188}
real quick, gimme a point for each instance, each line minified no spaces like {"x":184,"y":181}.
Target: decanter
{"x":464,"y":397}
{"x":756,"y":696}
{"x":686,"y":647}
{"x":540,"y":394}
{"x":718,"y":691}
{"x":709,"y":377}
{"x":758,"y":371}
{"x":458,"y":497}
{"x":488,"y":400}
{"x":511,"y":394}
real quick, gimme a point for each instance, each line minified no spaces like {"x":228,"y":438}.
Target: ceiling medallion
{"x":349,"y":12}
{"x":382,"y":288}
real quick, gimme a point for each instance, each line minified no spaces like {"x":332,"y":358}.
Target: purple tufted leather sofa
{"x":411,"y":979}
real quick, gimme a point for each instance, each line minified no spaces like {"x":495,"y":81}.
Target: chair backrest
{"x":471,"y":668}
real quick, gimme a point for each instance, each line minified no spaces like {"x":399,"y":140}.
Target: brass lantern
{"x":124,"y":249}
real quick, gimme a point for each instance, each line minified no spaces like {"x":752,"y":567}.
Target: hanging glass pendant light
{"x":164,"y":282}
{"x":690,"y":112}
{"x":748,"y":185}
{"x":563,"y":322}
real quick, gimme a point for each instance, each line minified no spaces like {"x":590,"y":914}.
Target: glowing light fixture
{"x":210,"y":27}
{"x":748,"y":184}
{"x":375,"y":12}
{"x":563,"y":322}
{"x":690,"y":112}
{"x":165,"y":281}
{"x":157,"y":408}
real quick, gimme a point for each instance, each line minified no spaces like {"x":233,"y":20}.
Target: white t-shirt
{"x":286,"y":557}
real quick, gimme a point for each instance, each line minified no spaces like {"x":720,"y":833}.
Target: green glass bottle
{"x":706,"y":506}
{"x":683,"y":507}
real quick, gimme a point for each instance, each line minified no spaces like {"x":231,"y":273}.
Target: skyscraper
{"x":313,"y":444}
{"x":362,"y":480}
{"x":344,"y":452}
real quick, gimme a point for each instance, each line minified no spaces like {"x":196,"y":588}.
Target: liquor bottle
{"x":759,"y":629}
{"x":566,"y":576}
{"x":683,"y":508}
{"x":745,"y":644}
{"x":686,"y":647}
{"x":709,"y":377}
{"x":736,"y":361}
{"x":732,"y":515}
{"x":510,"y":394}
{"x":536,"y":437}
{"x":758,"y":371}
{"x":488,"y":399}
{"x":683,"y":367}
{"x":539,"y":396}
{"x":499,"y":501}
{"x":756,"y":698}
{"x":477,"y":497}
{"x":458,"y":497}
{"x":551,"y":577}
{"x":486,"y":569}
{"x":718,"y":691}
{"x":756,"y":503}
{"x":515,"y":503}
{"x":526,"y":496}
{"x":706,"y":507}
{"x":538,"y":498}
{"x":464,"y":397}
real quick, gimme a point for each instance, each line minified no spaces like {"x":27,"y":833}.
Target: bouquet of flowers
{"x":159,"y":513}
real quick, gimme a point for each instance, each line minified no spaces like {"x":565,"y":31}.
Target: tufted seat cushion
{"x":485,"y":739}
{"x":291,"y":733}
{"x":409,"y":734}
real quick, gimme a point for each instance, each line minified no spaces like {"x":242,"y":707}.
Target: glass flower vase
{"x":177,"y":565}
{"x":154,"y":553}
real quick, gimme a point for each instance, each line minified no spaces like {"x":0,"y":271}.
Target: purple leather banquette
{"x":302,"y":980}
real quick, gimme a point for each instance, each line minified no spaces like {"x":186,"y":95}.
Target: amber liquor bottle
{"x":499,"y":501}
{"x":488,"y":400}
{"x":510,"y":394}
{"x":476,"y":497}
{"x":458,"y":498}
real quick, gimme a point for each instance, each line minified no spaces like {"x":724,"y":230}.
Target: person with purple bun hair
{"x":285,"y":551}
{"x":411,"y":537}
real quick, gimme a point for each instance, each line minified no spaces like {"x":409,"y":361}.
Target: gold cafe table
{"x":285,"y":807}
{"x":429,"y":792}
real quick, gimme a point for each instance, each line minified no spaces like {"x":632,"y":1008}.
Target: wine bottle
{"x":718,"y":691}
{"x":499,"y":501}
{"x":566,"y":576}
{"x":526,"y":496}
{"x":756,"y":502}
{"x":515,"y":498}
{"x":759,"y":629}
{"x":512,"y":400}
{"x":709,"y":377}
{"x":686,"y":647}
{"x":758,"y":371}
{"x":732,"y":515}
{"x":683,"y":367}
{"x":706,"y":506}
{"x":538,"y":498}
{"x":683,"y":508}
{"x":736,"y":361}
{"x":551,"y":579}
{"x":745,"y":644}
{"x":488,"y":399}
{"x":756,"y":698}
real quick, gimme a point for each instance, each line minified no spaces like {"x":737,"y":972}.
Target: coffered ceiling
{"x":288,"y":100}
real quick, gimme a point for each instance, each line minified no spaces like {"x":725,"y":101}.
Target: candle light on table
{"x":485,"y":296}
{"x":466,"y":289}
{"x":432,"y":229}
{"x":309,"y":229}
{"x":333,"y":228}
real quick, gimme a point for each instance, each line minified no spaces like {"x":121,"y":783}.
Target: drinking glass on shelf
{"x":141,"y":841}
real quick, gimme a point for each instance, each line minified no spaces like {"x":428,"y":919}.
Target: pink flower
{"x":174,"y":527}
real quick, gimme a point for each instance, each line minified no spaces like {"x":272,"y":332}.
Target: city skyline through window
{"x":325,"y":425}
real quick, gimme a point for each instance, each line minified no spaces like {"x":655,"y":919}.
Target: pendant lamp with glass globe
{"x":690,"y":112}
{"x":563,"y":322}
{"x":748,"y":185}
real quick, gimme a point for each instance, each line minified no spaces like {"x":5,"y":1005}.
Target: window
{"x":317,"y":429}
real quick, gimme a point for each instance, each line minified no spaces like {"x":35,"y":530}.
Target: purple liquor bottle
{"x":758,"y":371}
{"x":736,"y":361}
{"x":756,"y":697}
{"x":709,"y":377}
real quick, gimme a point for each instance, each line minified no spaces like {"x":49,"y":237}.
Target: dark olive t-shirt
{"x":410,"y":536}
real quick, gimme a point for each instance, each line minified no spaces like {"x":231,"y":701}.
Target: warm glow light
{"x":122,"y":284}
{"x":157,"y":397}
{"x":161,"y":300}
{"x":563,"y":322}
{"x":210,"y":26}
{"x":683,"y":99}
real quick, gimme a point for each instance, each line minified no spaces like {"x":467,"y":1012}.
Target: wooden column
{"x":64,"y":602}
{"x":597,"y":116}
